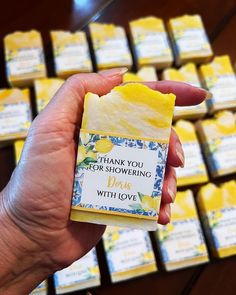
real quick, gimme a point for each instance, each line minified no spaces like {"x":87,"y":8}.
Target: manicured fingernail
{"x":114,"y":72}
{"x":180,"y":153}
{"x":167,"y":211}
{"x":171,"y":194}
{"x":208,"y":95}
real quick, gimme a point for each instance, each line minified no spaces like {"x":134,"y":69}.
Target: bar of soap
{"x":194,"y":170}
{"x":41,"y":289}
{"x":218,"y":138}
{"x":82,"y":274}
{"x":150,"y":42}
{"x":122,"y":153}
{"x":18,"y":147}
{"x":187,"y":74}
{"x":219,"y":78}
{"x":24,"y":58}
{"x":71,"y":53}
{"x":218,"y":210}
{"x":110,"y":46}
{"x":129,"y":253}
{"x":15,"y":113}
{"x":189,"y":39}
{"x":45,"y":90}
{"x":181,"y":241}
{"x":144,"y":74}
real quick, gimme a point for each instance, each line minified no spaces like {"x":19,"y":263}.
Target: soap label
{"x":14,"y":118}
{"x":181,"y":240}
{"x":223,"y":89}
{"x":126,"y":175}
{"x":192,"y":40}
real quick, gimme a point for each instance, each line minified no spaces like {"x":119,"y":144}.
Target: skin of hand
{"x":37,"y":237}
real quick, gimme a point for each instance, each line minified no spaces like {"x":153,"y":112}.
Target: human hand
{"x":36,"y":203}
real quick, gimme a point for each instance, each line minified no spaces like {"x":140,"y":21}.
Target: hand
{"x":36,"y":203}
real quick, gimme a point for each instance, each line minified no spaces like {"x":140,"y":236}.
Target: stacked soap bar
{"x":45,"y":90}
{"x":129,"y":253}
{"x":219,"y":78}
{"x":194,"y":170}
{"x":110,"y":46}
{"x":218,"y":137}
{"x":189,"y":39}
{"x":71,"y":53}
{"x":150,"y":41}
{"x":144,"y":74}
{"x":41,"y":289}
{"x":218,"y":210}
{"x":15,"y":113}
{"x":122,"y":151}
{"x":83,"y":273}
{"x":181,"y":241}
{"x":18,"y":147}
{"x":24,"y":58}
{"x":188,"y":74}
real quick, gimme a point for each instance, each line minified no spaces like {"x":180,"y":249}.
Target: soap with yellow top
{"x":189,"y":39}
{"x":218,"y":138}
{"x":41,"y":289}
{"x":187,"y":74}
{"x":24,"y":58}
{"x":181,"y":242}
{"x":18,"y":147}
{"x":129,"y":253}
{"x":142,"y":75}
{"x":110,"y":46}
{"x":150,"y":42}
{"x":15,"y":113}
{"x":71,"y":53}
{"x":82,"y":274}
{"x":217,"y":206}
{"x":45,"y":90}
{"x":122,"y":152}
{"x":194,"y":170}
{"x":219,"y":78}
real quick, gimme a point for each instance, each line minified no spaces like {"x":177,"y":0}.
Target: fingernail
{"x":208,"y":95}
{"x":180,"y":153}
{"x":114,"y":72}
{"x":167,"y":211}
{"x":171,"y":194}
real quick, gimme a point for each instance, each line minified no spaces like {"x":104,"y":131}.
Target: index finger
{"x":186,"y":94}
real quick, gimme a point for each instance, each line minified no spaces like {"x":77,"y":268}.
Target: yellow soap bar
{"x":122,"y":151}
{"x":110,"y":46}
{"x":71,"y":53}
{"x":190,"y":40}
{"x":24,"y":58}
{"x":144,"y":74}
{"x":217,"y":206}
{"x":187,"y":74}
{"x":181,"y":242}
{"x":41,"y":289}
{"x":219,"y":78}
{"x":45,"y":90}
{"x":194,"y":170}
{"x":218,"y":138}
{"x":150,"y":42}
{"x":15,"y":113}
{"x":18,"y":147}
{"x":128,"y":252}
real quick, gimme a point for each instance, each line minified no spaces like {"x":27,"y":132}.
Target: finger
{"x":175,"y":156}
{"x":169,"y":186}
{"x":165,"y":213}
{"x":185,"y":94}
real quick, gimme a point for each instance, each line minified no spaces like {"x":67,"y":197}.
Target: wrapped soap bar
{"x":41,"y":289}
{"x":71,"y":53}
{"x":15,"y":113}
{"x":18,"y":147}
{"x":110,"y":46}
{"x":129,"y":253}
{"x":122,"y":156}
{"x":181,"y":241}
{"x":24,"y":58}
{"x":190,"y":40}
{"x":45,"y":90}
{"x":219,"y":78}
{"x":144,"y":74}
{"x":188,"y":74}
{"x":150,"y":42}
{"x":217,"y":206}
{"x":218,"y":137}
{"x":194,"y":170}
{"x":83,"y":273}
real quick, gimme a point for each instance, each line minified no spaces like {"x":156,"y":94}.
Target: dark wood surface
{"x":217,"y":277}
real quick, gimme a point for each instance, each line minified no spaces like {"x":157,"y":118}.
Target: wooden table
{"x":219,"y":17}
